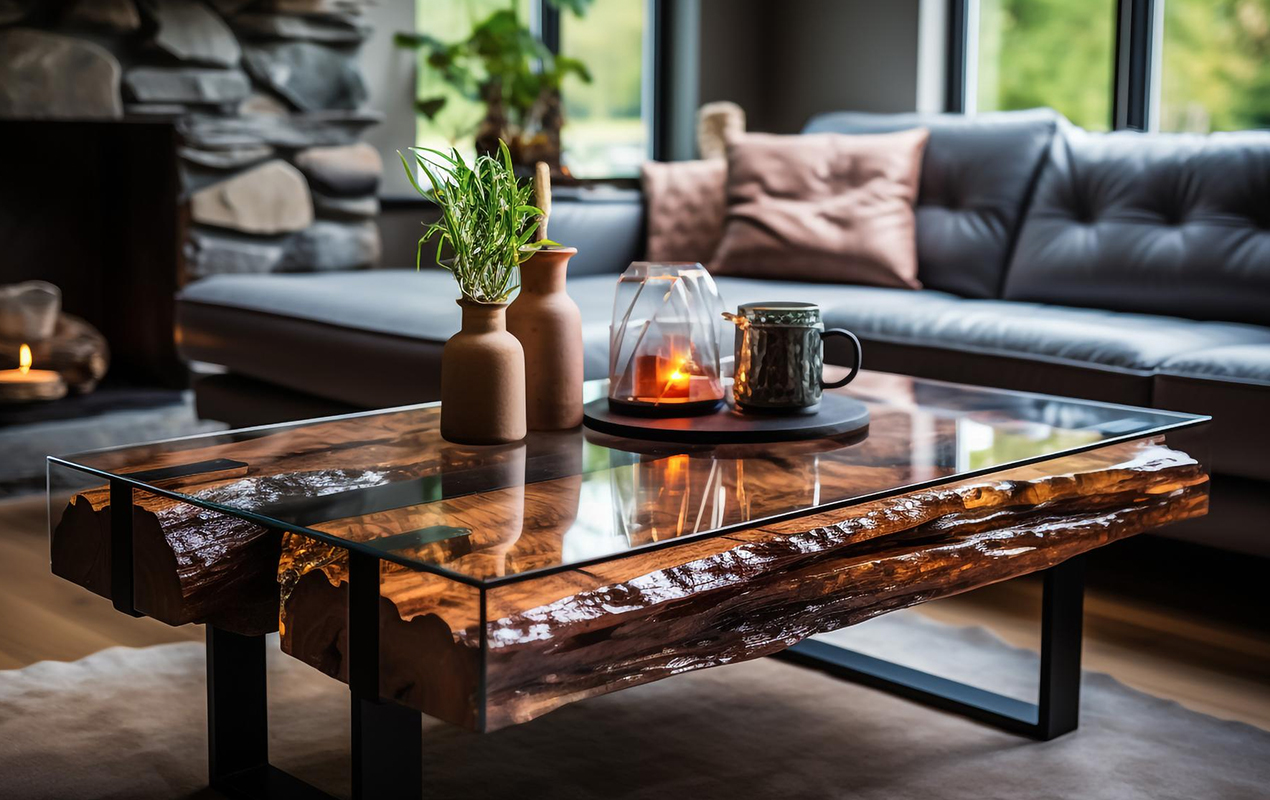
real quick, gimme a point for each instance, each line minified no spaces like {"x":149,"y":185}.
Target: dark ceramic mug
{"x":780,"y":356}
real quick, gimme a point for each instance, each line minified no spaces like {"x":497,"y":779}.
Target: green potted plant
{"x":485,"y":231}
{"x":516,"y":77}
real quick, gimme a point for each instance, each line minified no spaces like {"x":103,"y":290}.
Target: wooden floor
{"x":1169,"y":620}
{"x":46,"y":618}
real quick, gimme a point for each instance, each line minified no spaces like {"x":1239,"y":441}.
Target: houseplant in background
{"x":487,"y":226}
{"x":505,"y":67}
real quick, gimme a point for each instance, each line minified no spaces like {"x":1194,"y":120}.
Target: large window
{"x":1172,"y":65}
{"x":606,"y":131}
{"x":450,"y":21}
{"x":1055,"y":53}
{"x":1215,"y":65}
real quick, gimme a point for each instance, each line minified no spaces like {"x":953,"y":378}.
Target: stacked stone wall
{"x":267,"y":98}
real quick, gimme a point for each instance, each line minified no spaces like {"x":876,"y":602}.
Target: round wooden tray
{"x":837,"y":415}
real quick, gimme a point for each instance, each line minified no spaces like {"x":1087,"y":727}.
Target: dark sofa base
{"x":245,"y":403}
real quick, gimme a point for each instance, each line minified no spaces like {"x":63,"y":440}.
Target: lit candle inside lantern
{"x":659,"y":379}
{"x":25,"y":384}
{"x":675,"y":378}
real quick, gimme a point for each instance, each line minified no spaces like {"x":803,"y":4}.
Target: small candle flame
{"x":24,"y":359}
{"x":679,"y":377}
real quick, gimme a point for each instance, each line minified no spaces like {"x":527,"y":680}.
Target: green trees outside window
{"x":1214,"y":64}
{"x":1055,"y":53}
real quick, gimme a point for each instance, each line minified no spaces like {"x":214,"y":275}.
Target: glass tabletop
{"x":385,"y":482}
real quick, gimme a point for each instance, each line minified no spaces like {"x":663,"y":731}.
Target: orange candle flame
{"x":24,"y":359}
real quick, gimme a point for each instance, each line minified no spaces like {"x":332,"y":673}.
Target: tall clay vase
{"x":549,"y":326}
{"x":483,"y":379}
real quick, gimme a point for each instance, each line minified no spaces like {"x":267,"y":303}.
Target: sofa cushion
{"x":1233,"y":385}
{"x":1173,"y":224}
{"x":977,"y":174}
{"x":685,"y":206}
{"x":1098,"y":355}
{"x":823,"y":207}
{"x":607,"y":227}
{"x":374,"y":339}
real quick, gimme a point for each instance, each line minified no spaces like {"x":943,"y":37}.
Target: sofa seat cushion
{"x":1099,"y":355}
{"x":374,"y":339}
{"x":370,"y":339}
{"x":1233,"y":385}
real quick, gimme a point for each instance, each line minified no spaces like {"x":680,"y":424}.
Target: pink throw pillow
{"x":823,"y":207}
{"x":685,"y":208}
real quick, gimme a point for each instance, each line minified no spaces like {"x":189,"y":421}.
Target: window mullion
{"x":1135,"y":40}
{"x":960,"y":58}
{"x":548,"y":19}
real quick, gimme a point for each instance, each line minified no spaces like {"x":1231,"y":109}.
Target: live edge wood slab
{"x":488,"y":657}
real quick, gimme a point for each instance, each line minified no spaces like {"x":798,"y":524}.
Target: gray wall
{"x":786,"y":61}
{"x":390,"y":74}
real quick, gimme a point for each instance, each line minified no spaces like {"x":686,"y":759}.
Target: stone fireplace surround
{"x":266,"y":99}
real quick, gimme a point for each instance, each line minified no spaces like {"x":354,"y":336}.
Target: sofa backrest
{"x":1174,"y":224}
{"x":977,"y":175}
{"x":607,"y":228}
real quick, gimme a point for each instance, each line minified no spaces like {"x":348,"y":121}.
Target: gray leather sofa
{"x":1127,"y":268}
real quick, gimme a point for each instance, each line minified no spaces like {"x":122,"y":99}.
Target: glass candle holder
{"x":664,"y":341}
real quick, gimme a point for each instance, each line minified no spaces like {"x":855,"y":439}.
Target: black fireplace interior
{"x":93,"y":208}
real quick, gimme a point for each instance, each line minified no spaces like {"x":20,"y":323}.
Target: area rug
{"x":129,"y":723}
{"x":107,"y":418}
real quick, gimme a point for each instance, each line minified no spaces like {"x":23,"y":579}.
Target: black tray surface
{"x":837,"y":415}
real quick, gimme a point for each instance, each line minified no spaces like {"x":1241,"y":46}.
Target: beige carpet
{"x":129,"y":723}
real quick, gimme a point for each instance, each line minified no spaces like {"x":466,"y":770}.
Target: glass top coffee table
{"x":487,"y":586}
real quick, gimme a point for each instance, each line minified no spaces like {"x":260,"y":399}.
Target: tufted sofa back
{"x":1170,"y":224}
{"x":977,"y":175}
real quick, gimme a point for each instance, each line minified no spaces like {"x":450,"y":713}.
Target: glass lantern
{"x":664,"y":341}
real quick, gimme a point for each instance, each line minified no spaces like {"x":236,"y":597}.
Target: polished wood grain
{"x":567,"y":636}
{"x":200,"y":565}
{"x":777,"y":585}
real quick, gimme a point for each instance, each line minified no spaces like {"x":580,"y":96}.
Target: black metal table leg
{"x":237,"y":716}
{"x":122,"y":575}
{"x":1057,"y":711}
{"x":387,"y":736}
{"x":1062,"y":626}
{"x":238,"y":722}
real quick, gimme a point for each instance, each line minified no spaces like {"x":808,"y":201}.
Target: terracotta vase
{"x":483,"y":379}
{"x":549,"y":326}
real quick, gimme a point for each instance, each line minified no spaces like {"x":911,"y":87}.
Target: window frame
{"x":657,"y":82}
{"x":1136,"y":73}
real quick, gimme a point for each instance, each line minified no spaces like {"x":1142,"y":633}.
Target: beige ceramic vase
{"x":549,"y":326}
{"x":483,"y":379}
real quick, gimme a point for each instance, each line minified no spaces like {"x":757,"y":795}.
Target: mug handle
{"x":859,"y":356}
